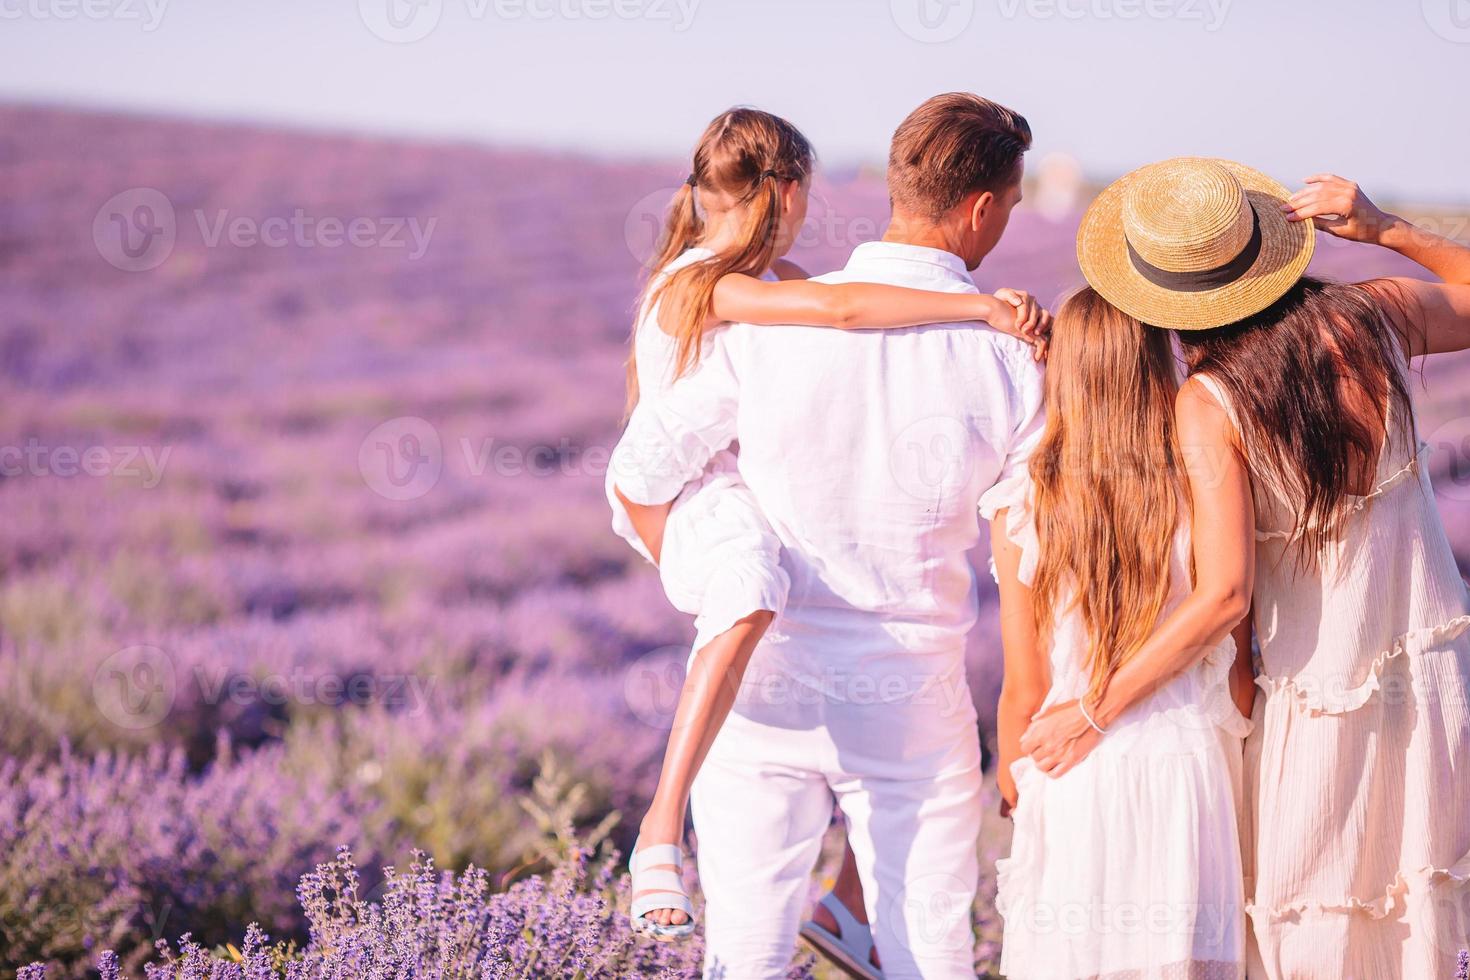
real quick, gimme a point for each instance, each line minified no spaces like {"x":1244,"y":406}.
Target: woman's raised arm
{"x":1442,"y":324}
{"x":1223,"y":533}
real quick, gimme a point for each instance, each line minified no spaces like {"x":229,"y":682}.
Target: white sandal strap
{"x":655,"y":855}
{"x":654,"y":881}
{"x":660,"y":890}
{"x":856,"y":936}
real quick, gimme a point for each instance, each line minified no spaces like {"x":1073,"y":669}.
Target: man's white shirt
{"x":868,"y":452}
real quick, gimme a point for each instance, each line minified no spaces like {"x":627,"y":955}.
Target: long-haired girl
{"x":1129,"y":865}
{"x":720,"y":260}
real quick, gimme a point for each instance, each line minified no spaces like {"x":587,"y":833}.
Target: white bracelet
{"x":1082,"y":706}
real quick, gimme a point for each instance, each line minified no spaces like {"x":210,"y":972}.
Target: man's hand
{"x":1059,"y":738}
{"x":1339,"y":207}
{"x":1027,"y":319}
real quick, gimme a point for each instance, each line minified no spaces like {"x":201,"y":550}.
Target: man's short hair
{"x":952,"y":146}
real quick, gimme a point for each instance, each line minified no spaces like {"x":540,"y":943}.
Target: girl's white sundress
{"x":1358,"y":771}
{"x":1128,"y":867}
{"x":720,"y":560}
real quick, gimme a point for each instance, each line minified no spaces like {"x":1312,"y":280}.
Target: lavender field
{"x":304,"y":546}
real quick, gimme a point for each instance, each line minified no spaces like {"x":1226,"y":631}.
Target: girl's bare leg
{"x":848,"y":890}
{"x":704,"y":703}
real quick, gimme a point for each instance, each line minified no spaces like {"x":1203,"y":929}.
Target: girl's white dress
{"x":720,"y":560}
{"x":1128,"y":867}
{"x":1358,"y":771}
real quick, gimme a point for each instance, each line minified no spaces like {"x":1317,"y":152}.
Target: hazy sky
{"x":1374,"y":89}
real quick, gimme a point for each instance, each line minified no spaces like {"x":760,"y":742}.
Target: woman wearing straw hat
{"x":1311,"y":509}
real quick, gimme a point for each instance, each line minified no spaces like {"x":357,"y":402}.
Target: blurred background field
{"x":304,"y":544}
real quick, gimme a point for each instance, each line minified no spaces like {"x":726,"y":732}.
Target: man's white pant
{"x":907,"y":777}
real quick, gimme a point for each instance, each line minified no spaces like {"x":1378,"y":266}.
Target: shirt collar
{"x":938,"y":258}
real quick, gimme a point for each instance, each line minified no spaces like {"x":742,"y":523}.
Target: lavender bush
{"x":424,"y":923}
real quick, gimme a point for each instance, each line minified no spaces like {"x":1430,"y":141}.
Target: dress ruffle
{"x":1014,"y":496}
{"x":1409,"y":469}
{"x":1412,"y":643}
{"x":1391,"y":901}
{"x":1219,"y":706}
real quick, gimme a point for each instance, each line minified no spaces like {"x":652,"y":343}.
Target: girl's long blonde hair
{"x":1109,"y":481}
{"x":743,"y":157}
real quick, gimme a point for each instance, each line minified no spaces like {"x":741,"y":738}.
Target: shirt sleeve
{"x":1029,"y":423}
{"x":669,"y":441}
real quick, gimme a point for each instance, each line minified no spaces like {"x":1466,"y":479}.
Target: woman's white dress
{"x":1128,"y":867}
{"x":1358,"y":771}
{"x":720,"y":560}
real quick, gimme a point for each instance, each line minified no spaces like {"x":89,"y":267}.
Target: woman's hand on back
{"x":1339,"y":207}
{"x":1059,"y":738}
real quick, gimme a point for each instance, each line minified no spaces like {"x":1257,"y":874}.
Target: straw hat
{"x":1192,"y":243}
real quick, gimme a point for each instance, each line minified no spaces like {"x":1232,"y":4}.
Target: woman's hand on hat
{"x":1339,"y":207}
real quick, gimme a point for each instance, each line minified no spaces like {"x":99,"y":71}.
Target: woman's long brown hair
{"x":743,"y":157}
{"x":1108,"y":478}
{"x":1309,"y":380}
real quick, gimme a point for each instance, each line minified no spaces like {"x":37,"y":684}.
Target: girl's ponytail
{"x":682,"y":230}
{"x":743,"y":156}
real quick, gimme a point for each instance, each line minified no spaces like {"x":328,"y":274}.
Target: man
{"x":868,"y":452}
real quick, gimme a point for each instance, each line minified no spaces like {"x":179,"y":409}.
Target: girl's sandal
{"x":658,"y":883}
{"x":850,"y":948}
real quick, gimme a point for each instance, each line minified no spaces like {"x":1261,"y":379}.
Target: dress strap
{"x":1217,"y":390}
